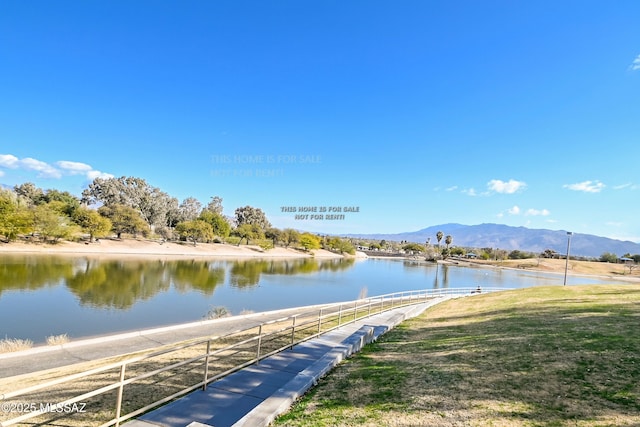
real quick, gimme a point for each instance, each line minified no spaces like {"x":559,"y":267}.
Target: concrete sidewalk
{"x":254,"y":396}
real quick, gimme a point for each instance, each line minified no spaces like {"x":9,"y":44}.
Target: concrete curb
{"x":282,"y":399}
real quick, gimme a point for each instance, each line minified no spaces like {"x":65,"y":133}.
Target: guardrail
{"x":134,"y":384}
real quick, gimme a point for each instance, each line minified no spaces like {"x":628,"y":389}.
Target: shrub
{"x":57,"y":339}
{"x":14,"y":344}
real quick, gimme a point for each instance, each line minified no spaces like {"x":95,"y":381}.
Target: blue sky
{"x":418,"y":113}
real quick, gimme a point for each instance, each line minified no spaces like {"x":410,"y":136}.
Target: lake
{"x":43,"y":295}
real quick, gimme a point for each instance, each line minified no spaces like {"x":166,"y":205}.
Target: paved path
{"x":49,"y":357}
{"x":254,"y":396}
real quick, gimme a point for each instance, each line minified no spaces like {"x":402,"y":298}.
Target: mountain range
{"x":509,"y":238}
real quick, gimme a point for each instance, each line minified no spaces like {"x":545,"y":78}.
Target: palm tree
{"x":448,"y":241}
{"x":439,"y":236}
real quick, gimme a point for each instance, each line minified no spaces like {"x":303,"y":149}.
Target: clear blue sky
{"x":419,"y":113}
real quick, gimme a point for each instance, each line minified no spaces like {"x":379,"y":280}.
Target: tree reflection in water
{"x":247,"y":273}
{"x":119,"y":284}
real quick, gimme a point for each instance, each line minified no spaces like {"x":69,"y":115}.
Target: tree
{"x":14,"y":218}
{"x":309,"y":241}
{"x":290,"y":236}
{"x":439,"y":236}
{"x":448,"y":240}
{"x":252,"y":216}
{"x":516,"y":254}
{"x":343,"y":245}
{"x":124,"y":219}
{"x":249,"y":232}
{"x":218,"y":223}
{"x":215,"y":205}
{"x":196,"y":230}
{"x":413,"y":247}
{"x":92,"y":222}
{"x":457,"y":251}
{"x":608,"y":257}
{"x":30,"y":192}
{"x":152,"y":204}
{"x":274,"y":234}
{"x":189,"y":209}
{"x":64,"y":201}
{"x":49,"y":223}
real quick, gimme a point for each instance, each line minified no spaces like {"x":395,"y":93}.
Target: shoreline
{"x":155,"y":249}
{"x":600,"y":270}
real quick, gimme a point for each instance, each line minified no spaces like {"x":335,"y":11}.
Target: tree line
{"x":131,"y":206}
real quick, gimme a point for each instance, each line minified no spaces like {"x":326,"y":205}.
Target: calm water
{"x":50,"y":295}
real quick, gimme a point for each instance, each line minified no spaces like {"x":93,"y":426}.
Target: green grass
{"x":544,"y":356}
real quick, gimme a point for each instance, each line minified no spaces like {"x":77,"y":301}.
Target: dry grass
{"x":57,"y":339}
{"x":591,"y":268}
{"x":553,"y":356}
{"x":145,"y":391}
{"x":8,"y":345}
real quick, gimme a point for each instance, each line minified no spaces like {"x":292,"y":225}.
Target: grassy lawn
{"x":543,"y":356}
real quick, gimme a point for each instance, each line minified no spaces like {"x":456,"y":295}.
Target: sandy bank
{"x":148,"y":248}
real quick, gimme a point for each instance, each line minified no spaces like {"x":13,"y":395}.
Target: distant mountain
{"x":509,"y":238}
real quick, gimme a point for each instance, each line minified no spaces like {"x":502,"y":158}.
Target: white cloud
{"x":93,"y":174}
{"x":74,"y":168}
{"x":629,"y":186}
{"x":45,"y":169}
{"x":635,"y":65}
{"x":64,"y":167}
{"x":586,"y":186}
{"x":1,"y":173}
{"x":8,"y":161}
{"x":536,"y":212}
{"x":470,"y":192}
{"x":514,"y":210}
{"x":452,"y":188}
{"x":508,"y":187}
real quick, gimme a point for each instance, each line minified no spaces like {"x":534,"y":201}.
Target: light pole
{"x":566,"y":265}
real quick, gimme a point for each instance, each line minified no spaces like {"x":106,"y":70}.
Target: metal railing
{"x":133,"y":384}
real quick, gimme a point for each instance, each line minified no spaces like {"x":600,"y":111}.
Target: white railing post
{"x":355,"y":310}
{"x":319,"y":320}
{"x":293,"y":332}
{"x":206,"y":366}
{"x":340,"y":315}
{"x":120,"y":393}
{"x":259,"y":344}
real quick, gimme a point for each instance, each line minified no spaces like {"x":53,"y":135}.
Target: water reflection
{"x":247,"y":273}
{"x":203,"y":276}
{"x":119,"y":284}
{"x":82,"y":296}
{"x":32,"y":272}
